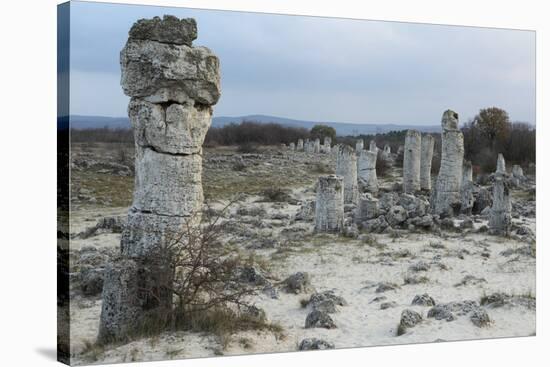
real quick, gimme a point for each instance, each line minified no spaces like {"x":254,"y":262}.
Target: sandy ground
{"x":350,"y":267}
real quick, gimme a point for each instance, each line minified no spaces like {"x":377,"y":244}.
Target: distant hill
{"x":342,"y":128}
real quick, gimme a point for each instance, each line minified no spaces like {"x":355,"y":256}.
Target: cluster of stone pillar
{"x":446,"y":198}
{"x":172,"y":86}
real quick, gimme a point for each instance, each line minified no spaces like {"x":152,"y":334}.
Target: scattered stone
{"x":319,"y":319}
{"x":326,"y":301}
{"x":315,"y":344}
{"x":500,"y":299}
{"x":420,"y":266}
{"x":409,"y":319}
{"x":480,"y":318}
{"x":470,"y":280}
{"x":423,"y":300}
{"x":385,"y":286}
{"x":298,"y":283}
{"x":396,"y":215}
{"x":386,"y":305}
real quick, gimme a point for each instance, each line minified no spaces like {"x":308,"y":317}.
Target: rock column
{"x":446,"y":196}
{"x":346,"y":167}
{"x":300,"y":145}
{"x":467,"y":190}
{"x":426,"y":157}
{"x":411,"y":162}
{"x":317,"y":146}
{"x":373,"y":147}
{"x":501,"y":164}
{"x":172,"y":86}
{"x":359,"y":145}
{"x":327,"y":145}
{"x":329,"y":205}
{"x":291,"y":146}
{"x":366,"y":171}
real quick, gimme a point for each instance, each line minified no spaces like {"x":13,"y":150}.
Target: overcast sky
{"x":320,"y":69}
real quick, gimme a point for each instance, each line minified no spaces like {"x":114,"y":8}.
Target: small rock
{"x":315,"y":344}
{"x":480,"y":318}
{"x":319,"y":319}
{"x":386,"y":305}
{"x":423,"y":300}
{"x":298,"y":283}
{"x":409,"y":319}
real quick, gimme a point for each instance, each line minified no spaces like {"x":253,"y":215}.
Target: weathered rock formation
{"x":292,"y":147}
{"x":327,"y":145}
{"x":300,"y":145}
{"x":467,"y":190}
{"x":373,"y":147}
{"x":426,"y":156}
{"x":367,"y":208}
{"x":500,"y":218}
{"x":446,"y":196}
{"x":359,"y":145}
{"x":317,"y":146}
{"x":172,"y":86}
{"x":329,"y":204}
{"x":501,"y":164}
{"x":346,"y":166}
{"x":366,"y":171}
{"x":411,"y":162}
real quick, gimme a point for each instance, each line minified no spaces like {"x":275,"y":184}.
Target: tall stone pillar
{"x":291,"y":147}
{"x":446,"y":196}
{"x":317,"y":146}
{"x":329,"y":204}
{"x":346,"y":166}
{"x":327,"y":144}
{"x":300,"y":145}
{"x":373,"y":147}
{"x":366,"y":171}
{"x":359,"y":145}
{"x":501,"y":164}
{"x":367,"y":208}
{"x":467,"y":189}
{"x":411,"y":161}
{"x":172,"y":86}
{"x":426,"y":156}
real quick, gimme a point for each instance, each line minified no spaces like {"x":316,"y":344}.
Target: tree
{"x":494,"y":124}
{"x":322,"y":131}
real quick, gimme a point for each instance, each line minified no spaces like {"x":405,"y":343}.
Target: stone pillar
{"x":366,"y":171}
{"x":426,"y":156}
{"x":329,"y":204}
{"x":373,"y":147}
{"x":367,"y":208}
{"x":501,"y":164}
{"x":300,"y":145}
{"x":467,"y":191}
{"x":327,"y":145}
{"x":411,"y":162}
{"x":291,"y":146}
{"x":359,"y":145}
{"x":500,"y":218}
{"x":446,"y":196}
{"x":317,"y":146}
{"x":387,"y":149}
{"x":517,"y":171}
{"x":172,"y":86}
{"x":346,"y":166}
